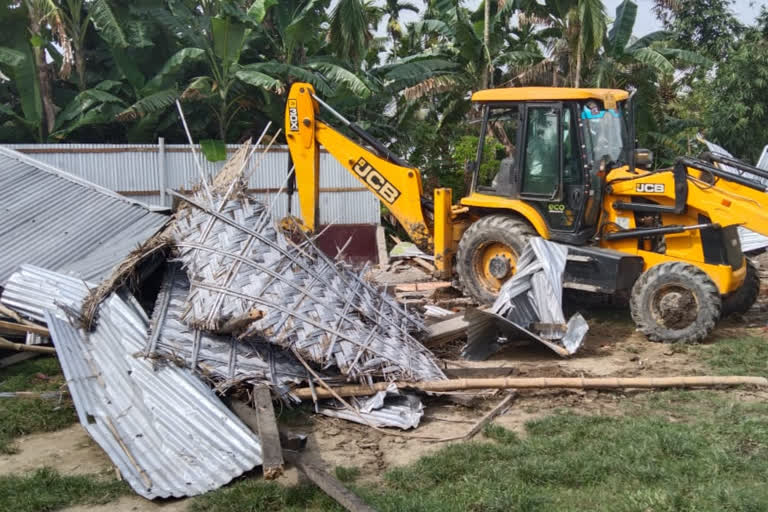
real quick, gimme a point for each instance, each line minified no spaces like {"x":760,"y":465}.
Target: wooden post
{"x":329,"y":485}
{"x":381,"y":244}
{"x":271,"y":450}
{"x":162,"y":170}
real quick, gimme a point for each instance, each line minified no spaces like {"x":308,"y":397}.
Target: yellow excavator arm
{"x":393,"y":181}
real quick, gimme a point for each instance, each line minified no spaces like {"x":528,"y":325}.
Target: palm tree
{"x":392,"y":9}
{"x":579,"y":28}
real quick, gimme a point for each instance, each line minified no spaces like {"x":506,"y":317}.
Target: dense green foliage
{"x":112,"y":70}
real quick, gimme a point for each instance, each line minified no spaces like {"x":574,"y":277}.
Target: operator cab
{"x":550,"y":148}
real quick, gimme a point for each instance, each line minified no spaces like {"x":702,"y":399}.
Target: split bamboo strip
{"x":539,"y":383}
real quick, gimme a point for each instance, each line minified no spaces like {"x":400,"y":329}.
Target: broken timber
{"x":329,"y":485}
{"x":271,"y":451}
{"x":537,"y":383}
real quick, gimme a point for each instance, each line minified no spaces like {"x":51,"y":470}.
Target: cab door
{"x":551,"y":175}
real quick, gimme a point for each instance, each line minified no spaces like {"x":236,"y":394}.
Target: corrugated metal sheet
{"x":534,"y":295}
{"x":763,"y":162}
{"x":64,"y":223}
{"x":136,"y":168}
{"x":164,"y":429}
{"x":387,"y":408}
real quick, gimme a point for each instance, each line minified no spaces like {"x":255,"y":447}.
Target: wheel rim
{"x":674,"y":307}
{"x":494,"y":263}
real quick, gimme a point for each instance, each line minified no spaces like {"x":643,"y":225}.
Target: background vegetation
{"x":111,"y":70}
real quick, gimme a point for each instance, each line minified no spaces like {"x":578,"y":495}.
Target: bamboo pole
{"x":22,"y":328}
{"x":19,"y":347}
{"x":538,"y":383}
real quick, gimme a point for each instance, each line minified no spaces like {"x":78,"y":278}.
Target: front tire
{"x":488,"y":253}
{"x":742,"y":300}
{"x":675,"y":303}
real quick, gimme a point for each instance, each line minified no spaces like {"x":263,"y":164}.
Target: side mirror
{"x":643,"y":158}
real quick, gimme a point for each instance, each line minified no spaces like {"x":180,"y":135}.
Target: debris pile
{"x":242,"y":306}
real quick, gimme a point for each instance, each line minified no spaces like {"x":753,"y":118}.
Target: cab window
{"x":497,"y":154}
{"x":541,"y":170}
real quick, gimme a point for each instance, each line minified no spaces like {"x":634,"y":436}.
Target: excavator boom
{"x":396,"y":184}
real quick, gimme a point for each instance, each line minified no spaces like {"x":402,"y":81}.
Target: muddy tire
{"x":488,"y":253}
{"x":742,"y":300}
{"x":675,"y":303}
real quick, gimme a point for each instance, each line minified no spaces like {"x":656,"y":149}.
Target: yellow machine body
{"x":399,"y":187}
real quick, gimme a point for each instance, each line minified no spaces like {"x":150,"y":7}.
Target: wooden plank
{"x":23,"y":328}
{"x":381,"y":244}
{"x":271,"y":450}
{"x":425,"y":264}
{"x":329,"y":484}
{"x":419,"y":287}
{"x":496,"y":411}
{"x":16,"y":358}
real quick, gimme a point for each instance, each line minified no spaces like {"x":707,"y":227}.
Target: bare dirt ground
{"x":613,"y":348}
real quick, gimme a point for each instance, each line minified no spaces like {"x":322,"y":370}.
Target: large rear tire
{"x":675,"y":303}
{"x":488,"y":253}
{"x":742,"y":300}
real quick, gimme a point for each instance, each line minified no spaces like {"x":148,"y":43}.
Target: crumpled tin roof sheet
{"x":534,"y":295}
{"x":763,"y":162}
{"x":164,"y":429}
{"x":63,"y":223}
{"x":389,"y":408}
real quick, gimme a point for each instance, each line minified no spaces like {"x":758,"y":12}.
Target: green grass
{"x":45,"y":489}
{"x":255,"y":495}
{"x":736,"y":356}
{"x":672,"y":451}
{"x":21,"y":416}
{"x":347,"y":474}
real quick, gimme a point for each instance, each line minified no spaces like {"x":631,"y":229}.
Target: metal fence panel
{"x":140,"y":170}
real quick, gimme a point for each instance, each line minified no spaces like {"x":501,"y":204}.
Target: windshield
{"x":606,"y":134}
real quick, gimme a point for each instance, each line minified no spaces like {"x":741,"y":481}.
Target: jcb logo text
{"x":650,"y":188}
{"x":376,"y":181}
{"x":293,"y":116}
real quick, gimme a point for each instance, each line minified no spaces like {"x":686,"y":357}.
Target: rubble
{"x":225,"y":360}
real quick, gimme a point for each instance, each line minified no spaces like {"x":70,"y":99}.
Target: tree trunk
{"x":486,"y":41}
{"x":577,"y":78}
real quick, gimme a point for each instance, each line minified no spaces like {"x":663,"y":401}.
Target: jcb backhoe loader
{"x":561,"y":163}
